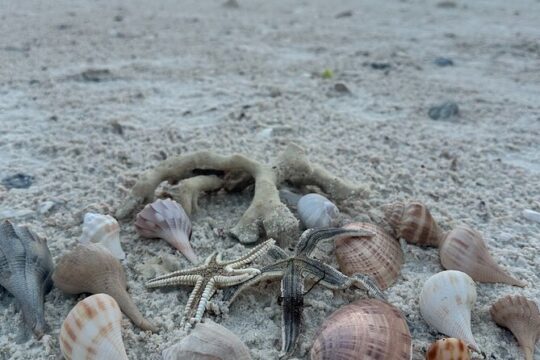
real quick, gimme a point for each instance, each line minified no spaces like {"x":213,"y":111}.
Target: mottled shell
{"x":316,"y":211}
{"x":522,"y":317}
{"x":166,"y":219}
{"x":464,"y":249}
{"x":446,"y":301}
{"x":208,"y":341}
{"x":414,"y":223}
{"x":92,"y":330}
{"x":448,"y":349}
{"x":366,"y":329}
{"x":103,"y":230}
{"x":379,"y":256}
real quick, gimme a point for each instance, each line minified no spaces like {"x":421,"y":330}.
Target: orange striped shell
{"x":448,"y":349}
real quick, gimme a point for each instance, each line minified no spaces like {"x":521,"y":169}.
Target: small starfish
{"x":209,"y":277}
{"x":293,"y":269}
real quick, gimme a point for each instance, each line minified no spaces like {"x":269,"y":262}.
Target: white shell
{"x":103,"y":230}
{"x":92,"y":330}
{"x":446,"y":301}
{"x":316,"y":211}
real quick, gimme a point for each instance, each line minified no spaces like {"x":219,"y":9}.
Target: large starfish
{"x":209,"y":277}
{"x":292,"y":271}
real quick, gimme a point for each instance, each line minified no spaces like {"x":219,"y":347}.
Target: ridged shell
{"x":522,"y":317}
{"x":365,"y":330}
{"x":316,"y":211}
{"x":448,"y":349}
{"x":25,"y":271}
{"x":167,"y":220}
{"x":104,"y":230}
{"x":464,"y":249}
{"x":414,"y":223}
{"x":446,"y":301}
{"x":379,"y":256}
{"x":208,"y":341}
{"x":92,"y":330}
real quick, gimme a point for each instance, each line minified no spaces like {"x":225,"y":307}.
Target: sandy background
{"x":182,"y":76}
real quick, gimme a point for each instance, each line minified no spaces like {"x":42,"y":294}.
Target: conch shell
{"x":316,"y":211}
{"x":104,"y":230}
{"x":379,"y":256}
{"x":92,"y":330}
{"x":93,"y":269}
{"x":363,"y":330}
{"x":448,"y":349}
{"x":522,"y":317}
{"x":446,"y":301}
{"x":464,"y":249}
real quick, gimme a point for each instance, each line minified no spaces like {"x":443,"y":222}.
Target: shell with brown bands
{"x":448,"y":349}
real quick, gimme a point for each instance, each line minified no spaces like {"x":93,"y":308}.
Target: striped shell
{"x":464,"y":249}
{"x":448,"y":349}
{"x":92,"y":330}
{"x":103,"y":230}
{"x":316,"y":211}
{"x":366,"y":329}
{"x":379,"y":256}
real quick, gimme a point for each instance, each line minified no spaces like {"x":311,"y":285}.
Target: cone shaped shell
{"x":92,"y":330}
{"x":464,"y":249}
{"x":448,"y":349}
{"x":316,"y":211}
{"x":365,"y":330}
{"x":522,"y":317}
{"x":379,"y":256}
{"x":104,"y":230}
{"x":446,"y":301}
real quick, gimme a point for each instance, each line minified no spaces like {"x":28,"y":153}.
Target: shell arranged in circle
{"x":448,"y":349}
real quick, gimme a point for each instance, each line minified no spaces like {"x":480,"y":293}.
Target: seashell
{"x":103,"y":230}
{"x":414,"y":223}
{"x":25,"y":271}
{"x":379,"y":256}
{"x":93,"y":269}
{"x":167,"y":220}
{"x":448,"y":349}
{"x":316,"y":211}
{"x":92,"y":330}
{"x":446,"y":301}
{"x":464,"y":249}
{"x":365,"y":329}
{"x":208,"y":341}
{"x":522,"y":317}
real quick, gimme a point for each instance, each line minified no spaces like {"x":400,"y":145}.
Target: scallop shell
{"x":92,"y":330}
{"x":365,"y":329}
{"x":167,"y":220}
{"x":316,"y":211}
{"x":103,"y":230}
{"x":93,"y":269}
{"x":522,"y":317}
{"x":208,"y":341}
{"x":446,"y":301}
{"x":464,"y":249}
{"x":379,"y":256}
{"x":25,"y":271}
{"x":414,"y":223}
{"x":448,"y":349}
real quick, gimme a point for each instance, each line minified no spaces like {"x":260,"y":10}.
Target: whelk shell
{"x":379,"y":256}
{"x":104,"y":230}
{"x":92,"y":330}
{"x":448,"y":349}
{"x":316,"y":211}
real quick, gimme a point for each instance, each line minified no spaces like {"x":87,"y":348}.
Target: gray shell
{"x":316,"y":211}
{"x":25,"y":271}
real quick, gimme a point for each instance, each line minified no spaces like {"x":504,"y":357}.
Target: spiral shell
{"x":448,"y":349}
{"x":379,"y":256}
{"x":446,"y":301}
{"x":522,"y":317}
{"x":414,"y":223}
{"x":167,"y":220}
{"x":366,"y":329}
{"x":103,"y":230}
{"x":316,"y":211}
{"x":92,"y":330}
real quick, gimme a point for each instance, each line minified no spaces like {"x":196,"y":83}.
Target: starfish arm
{"x":310,"y":238}
{"x":366,"y":282}
{"x":226,"y":281}
{"x":277,"y":253}
{"x":194,"y":298}
{"x":208,"y":292}
{"x":325,"y":274}
{"x":250,"y":256}
{"x":173,"y":280}
{"x":292,"y":303}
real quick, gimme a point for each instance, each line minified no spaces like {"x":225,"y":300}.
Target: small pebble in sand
{"x":94,"y":75}
{"x":17,"y":181}
{"x":531,"y":215}
{"x":442,"y":62}
{"x":231,"y":4}
{"x":342,"y":88}
{"x":444,"y":111}
{"x":344,"y":14}
{"x":379,"y":66}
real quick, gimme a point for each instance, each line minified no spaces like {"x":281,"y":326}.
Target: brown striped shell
{"x":522,"y":317}
{"x":448,"y":349}
{"x":464,"y":249}
{"x":414,"y":223}
{"x":379,"y":256}
{"x":366,"y":329}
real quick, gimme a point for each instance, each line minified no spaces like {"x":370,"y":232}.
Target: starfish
{"x":292,"y":270}
{"x":212,"y":275}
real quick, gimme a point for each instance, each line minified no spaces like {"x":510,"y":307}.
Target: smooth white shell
{"x":446,"y":301}
{"x":103,"y":230}
{"x":316,"y":211}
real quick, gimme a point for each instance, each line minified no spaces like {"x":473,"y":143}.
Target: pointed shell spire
{"x":103,"y":230}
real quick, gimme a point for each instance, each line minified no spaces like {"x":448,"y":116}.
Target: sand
{"x":93,"y":93}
